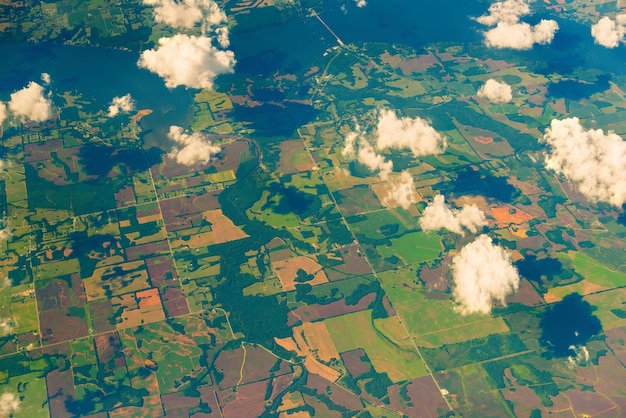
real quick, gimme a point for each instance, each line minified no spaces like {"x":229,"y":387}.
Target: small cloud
{"x":123,"y":104}
{"x":196,"y":147}
{"x":595,"y":161}
{"x":376,"y":162}
{"x":9,"y":403}
{"x":401,"y":192}
{"x":482,"y":274}
{"x":608,"y":32}
{"x":3,"y":112}
{"x":414,"y":134}
{"x":508,"y":32}
{"x":360,"y":3}
{"x":45,"y":77}
{"x":30,"y":104}
{"x":496,"y":91}
{"x":187,"y":13}
{"x":357,"y":148}
{"x":438,"y":215}
{"x":190,"y":61}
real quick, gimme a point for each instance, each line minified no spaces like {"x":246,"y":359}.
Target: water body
{"x":100,"y":74}
{"x":413,"y":23}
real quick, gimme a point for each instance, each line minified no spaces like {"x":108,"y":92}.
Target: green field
{"x":355,"y":330}
{"x":413,"y":247}
{"x":595,"y":272}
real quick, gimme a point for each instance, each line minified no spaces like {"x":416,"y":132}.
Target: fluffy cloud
{"x":357,"y":148}
{"x":482,"y":274}
{"x":45,"y":77}
{"x":9,"y":403}
{"x":414,"y":134}
{"x":608,"y":32}
{"x":439,"y":215}
{"x":186,"y":14}
{"x":401,"y":192}
{"x":360,"y":3}
{"x":30,"y":104}
{"x":190,"y":61}
{"x":122,"y":104}
{"x":495,"y":91}
{"x":508,"y":32}
{"x":595,"y":161}
{"x":195,"y":147}
{"x":369,"y":157}
{"x":3,"y":112}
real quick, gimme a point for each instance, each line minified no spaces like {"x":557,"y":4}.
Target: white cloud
{"x":31,"y":104}
{"x":508,"y":32}
{"x":595,"y":161}
{"x":608,"y":32}
{"x":196,"y":147}
{"x":190,"y":61}
{"x":357,"y":148}
{"x":496,"y":91}
{"x":186,"y":14}
{"x":438,"y":215}
{"x":9,"y":403}
{"x":414,"y":134}
{"x":580,"y":357}
{"x":122,"y":104}
{"x":482,"y":274}
{"x":45,"y":77}
{"x":3,"y":112}
{"x":401,"y":192}
{"x":360,"y":3}
{"x":376,"y":162}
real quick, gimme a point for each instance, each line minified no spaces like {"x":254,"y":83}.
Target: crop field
{"x":356,"y":330}
{"x":413,"y":247}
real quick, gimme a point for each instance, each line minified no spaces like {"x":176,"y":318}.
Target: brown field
{"x":140,"y":308}
{"x":355,"y":363}
{"x":291,"y":400}
{"x":224,"y":230}
{"x":121,"y":278}
{"x":200,"y":240}
{"x":286,"y":270}
{"x":60,"y":384}
{"x":354,"y":263}
{"x":247,"y":401}
{"x":297,"y":414}
{"x":162,"y":271}
{"x":310,"y":363}
{"x":174,"y":302}
{"x":484,"y":139}
{"x":526,"y":295}
{"x":137,"y":252}
{"x":523,"y":398}
{"x":336,"y":393}
{"x":357,"y":200}
{"x":506,"y":215}
{"x":229,"y":363}
{"x":294,"y":158}
{"x":315,"y":312}
{"x":186,"y":211}
{"x":316,"y":337}
{"x":426,"y":400}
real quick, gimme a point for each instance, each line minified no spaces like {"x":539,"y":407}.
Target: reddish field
{"x":41,"y":151}
{"x":137,"y":252}
{"x":426,"y":401}
{"x":356,"y":362}
{"x":102,"y":314}
{"x":61,"y":309}
{"x":248,"y":401}
{"x":60,"y":382}
{"x":316,"y":312}
{"x":161,"y":271}
{"x":186,"y":211}
{"x":353,"y":264}
{"x":336,"y":393}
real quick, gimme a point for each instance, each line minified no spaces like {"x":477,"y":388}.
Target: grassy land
{"x":355,"y":330}
{"x":414,"y":247}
